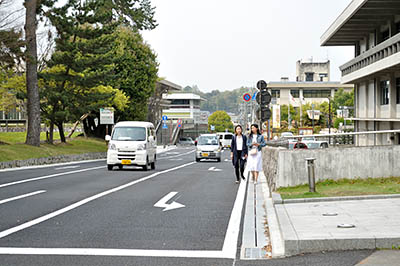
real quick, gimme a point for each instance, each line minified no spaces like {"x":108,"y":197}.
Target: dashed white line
{"x":22,"y":196}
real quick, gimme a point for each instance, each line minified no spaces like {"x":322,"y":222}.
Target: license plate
{"x":126,"y":161}
{"x":204,"y":154}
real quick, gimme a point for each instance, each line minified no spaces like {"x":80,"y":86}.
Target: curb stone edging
{"x":278,"y":199}
{"x":53,"y":160}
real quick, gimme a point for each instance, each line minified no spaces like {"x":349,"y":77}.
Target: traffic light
{"x":263,"y":99}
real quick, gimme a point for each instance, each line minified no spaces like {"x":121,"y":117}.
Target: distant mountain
{"x":227,"y":101}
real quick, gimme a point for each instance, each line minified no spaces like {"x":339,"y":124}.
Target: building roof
{"x":185,"y":96}
{"x":358,"y":19}
{"x":308,"y":84}
{"x":171,"y":85}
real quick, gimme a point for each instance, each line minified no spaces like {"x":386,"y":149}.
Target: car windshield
{"x":208,"y":140}
{"x":129,"y":133}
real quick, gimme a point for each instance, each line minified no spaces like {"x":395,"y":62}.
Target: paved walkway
{"x":292,"y":227}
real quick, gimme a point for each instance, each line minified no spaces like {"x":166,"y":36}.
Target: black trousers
{"x":239,"y":164}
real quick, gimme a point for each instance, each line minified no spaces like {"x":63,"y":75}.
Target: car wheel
{"x":324,"y":145}
{"x":197,"y":159}
{"x":109,"y":167}
{"x":219,"y":160}
{"x":120,"y":167}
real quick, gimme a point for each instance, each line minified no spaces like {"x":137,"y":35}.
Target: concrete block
{"x":388,"y":242}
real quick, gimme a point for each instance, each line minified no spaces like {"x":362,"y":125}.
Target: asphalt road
{"x":83,"y":214}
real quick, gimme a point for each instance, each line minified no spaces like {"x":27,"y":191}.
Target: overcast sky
{"x":226,"y":44}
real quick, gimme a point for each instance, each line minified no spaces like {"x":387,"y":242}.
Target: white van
{"x":132,"y":143}
{"x":226,"y":139}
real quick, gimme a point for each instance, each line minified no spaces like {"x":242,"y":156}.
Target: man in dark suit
{"x":239,"y":152}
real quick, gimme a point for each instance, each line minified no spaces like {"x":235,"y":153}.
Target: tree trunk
{"x":33,"y":134}
{"x":51,"y":137}
{"x":61,"y":131}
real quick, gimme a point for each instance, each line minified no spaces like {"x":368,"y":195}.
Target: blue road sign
{"x":165,"y":117}
{"x":254,"y":96}
{"x":179,"y":125}
{"x":164,"y":126}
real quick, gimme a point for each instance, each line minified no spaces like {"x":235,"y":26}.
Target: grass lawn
{"x":19,"y":137}
{"x":76,"y":145}
{"x":344,"y":187}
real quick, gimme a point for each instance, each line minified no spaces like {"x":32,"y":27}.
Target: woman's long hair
{"x":251,"y":131}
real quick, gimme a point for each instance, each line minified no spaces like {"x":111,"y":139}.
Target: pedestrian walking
{"x":239,"y":152}
{"x":255,"y":142}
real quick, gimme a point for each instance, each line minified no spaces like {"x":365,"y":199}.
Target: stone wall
{"x":288,"y":167}
{"x":53,"y":160}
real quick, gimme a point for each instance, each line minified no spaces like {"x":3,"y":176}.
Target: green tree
{"x":86,"y":49}
{"x":221,"y":120}
{"x":135,"y":71}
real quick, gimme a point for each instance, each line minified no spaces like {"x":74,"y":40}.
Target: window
{"x":309,"y":76}
{"x":316,"y":93}
{"x":398,"y":91}
{"x":397,"y":27}
{"x":180,"y":101}
{"x":295,"y":93}
{"x":384,"y":92}
{"x":385,"y":35}
{"x":275,"y":93}
{"x":322,"y":76}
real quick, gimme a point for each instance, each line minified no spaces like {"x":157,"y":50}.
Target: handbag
{"x":253,"y":151}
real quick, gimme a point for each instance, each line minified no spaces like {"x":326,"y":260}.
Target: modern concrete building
{"x":157,"y":103}
{"x":312,"y":85}
{"x":373,"y":28}
{"x":183,"y":106}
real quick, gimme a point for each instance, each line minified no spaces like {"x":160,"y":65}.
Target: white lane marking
{"x":114,"y":252}
{"x":22,"y":196}
{"x":49,"y":176}
{"x":162,"y":203}
{"x":176,"y":155}
{"x":232,"y":233}
{"x":48,"y":165}
{"x":82,"y":202}
{"x":67,"y":167}
{"x":177,"y":159}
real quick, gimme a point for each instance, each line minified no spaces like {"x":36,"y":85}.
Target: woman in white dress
{"x":255,"y":142}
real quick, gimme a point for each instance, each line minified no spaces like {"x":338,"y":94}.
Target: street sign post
{"x":107,"y":116}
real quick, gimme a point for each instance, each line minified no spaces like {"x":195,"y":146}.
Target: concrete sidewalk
{"x":315,"y":225}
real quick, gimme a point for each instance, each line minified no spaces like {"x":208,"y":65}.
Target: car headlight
{"x":141,"y":147}
{"x":112,"y":146}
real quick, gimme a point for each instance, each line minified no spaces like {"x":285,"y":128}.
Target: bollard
{"x":311,"y":174}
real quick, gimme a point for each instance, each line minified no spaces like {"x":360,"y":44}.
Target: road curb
{"x":278,"y":200}
{"x":61,"y":159}
{"x":53,"y":160}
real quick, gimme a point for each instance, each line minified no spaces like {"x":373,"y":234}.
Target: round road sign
{"x":247,"y":97}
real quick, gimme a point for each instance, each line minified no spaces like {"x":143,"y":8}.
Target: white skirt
{"x":254,"y":162}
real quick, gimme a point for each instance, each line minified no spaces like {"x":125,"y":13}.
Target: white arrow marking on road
{"x":22,"y":196}
{"x":214,"y":169}
{"x":162,"y":203}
